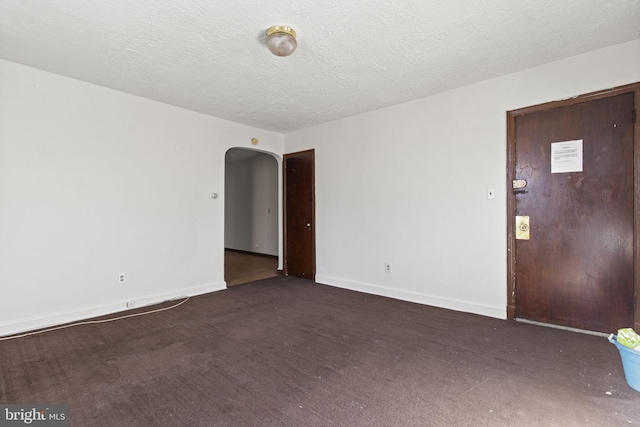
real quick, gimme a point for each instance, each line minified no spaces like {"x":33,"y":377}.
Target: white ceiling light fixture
{"x":281,"y":40}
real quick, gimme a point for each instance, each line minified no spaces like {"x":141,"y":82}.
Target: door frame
{"x":285,"y":157}
{"x":511,"y":205}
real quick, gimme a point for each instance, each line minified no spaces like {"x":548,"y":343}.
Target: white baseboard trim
{"x":54,"y":319}
{"x":451,"y":304}
{"x":564,"y":328}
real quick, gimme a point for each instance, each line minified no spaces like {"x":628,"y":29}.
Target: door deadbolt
{"x":522,"y":228}
{"x":519,"y":186}
{"x":519,"y":183}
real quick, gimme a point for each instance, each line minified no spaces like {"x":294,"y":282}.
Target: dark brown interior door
{"x":577,"y":268}
{"x":299,"y":229}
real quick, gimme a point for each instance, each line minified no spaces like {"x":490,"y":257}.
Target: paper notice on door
{"x":566,"y":156}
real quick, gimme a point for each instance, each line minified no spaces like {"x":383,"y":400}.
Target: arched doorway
{"x":251,"y":216}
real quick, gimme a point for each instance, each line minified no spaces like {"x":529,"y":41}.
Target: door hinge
{"x":633,"y":116}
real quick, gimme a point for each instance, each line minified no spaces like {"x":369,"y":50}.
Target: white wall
{"x":95,"y":182}
{"x":407,"y":184}
{"x":251,"y":204}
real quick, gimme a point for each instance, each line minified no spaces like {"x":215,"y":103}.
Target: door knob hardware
{"x":522,"y":228}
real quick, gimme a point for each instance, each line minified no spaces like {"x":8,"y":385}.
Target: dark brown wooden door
{"x":299,"y":198}
{"x":577,"y":268}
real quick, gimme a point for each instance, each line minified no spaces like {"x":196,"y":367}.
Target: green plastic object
{"x":629,"y":338}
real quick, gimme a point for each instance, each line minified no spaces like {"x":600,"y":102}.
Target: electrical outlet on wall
{"x":387,"y":267}
{"x":122,"y":278}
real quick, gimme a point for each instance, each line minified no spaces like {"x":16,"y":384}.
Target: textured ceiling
{"x":353,"y":55}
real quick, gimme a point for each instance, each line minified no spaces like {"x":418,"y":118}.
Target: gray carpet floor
{"x":288,"y":352}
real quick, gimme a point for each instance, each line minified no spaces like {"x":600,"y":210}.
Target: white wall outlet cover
{"x":491,"y":194}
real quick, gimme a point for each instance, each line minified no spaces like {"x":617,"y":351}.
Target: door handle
{"x":308,"y":226}
{"x":522,"y":228}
